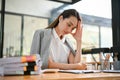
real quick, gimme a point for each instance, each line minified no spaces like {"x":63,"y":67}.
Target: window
{"x":30,"y":25}
{"x":12,"y":35}
{"x":90,"y":37}
{"x":106,"y":36}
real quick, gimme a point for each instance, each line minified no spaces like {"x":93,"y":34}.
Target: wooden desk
{"x":66,"y":76}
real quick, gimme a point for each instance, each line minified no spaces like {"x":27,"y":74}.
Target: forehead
{"x":72,"y":20}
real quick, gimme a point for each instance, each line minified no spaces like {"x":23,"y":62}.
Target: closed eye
{"x":69,"y":25}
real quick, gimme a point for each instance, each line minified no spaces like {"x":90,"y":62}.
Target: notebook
{"x":111,"y":71}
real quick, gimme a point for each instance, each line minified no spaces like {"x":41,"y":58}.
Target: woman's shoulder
{"x":39,"y":30}
{"x":43,"y":31}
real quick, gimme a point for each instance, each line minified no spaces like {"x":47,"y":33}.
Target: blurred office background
{"x":23,"y":17}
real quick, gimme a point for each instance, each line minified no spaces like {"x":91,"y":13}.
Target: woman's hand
{"x":78,"y":34}
{"x":81,"y":66}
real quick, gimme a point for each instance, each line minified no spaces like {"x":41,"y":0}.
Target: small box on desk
{"x":116,"y":65}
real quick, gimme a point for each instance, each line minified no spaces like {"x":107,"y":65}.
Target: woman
{"x":55,"y":50}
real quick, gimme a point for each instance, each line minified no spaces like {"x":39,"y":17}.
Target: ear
{"x":60,"y":18}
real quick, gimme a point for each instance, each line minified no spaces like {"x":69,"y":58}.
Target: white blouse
{"x":59,"y":51}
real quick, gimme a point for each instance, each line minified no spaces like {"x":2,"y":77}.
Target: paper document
{"x":79,"y":71}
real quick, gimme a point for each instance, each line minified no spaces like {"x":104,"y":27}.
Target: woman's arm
{"x":78,"y":37}
{"x":65,"y":66}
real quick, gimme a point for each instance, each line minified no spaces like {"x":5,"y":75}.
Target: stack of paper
{"x":21,"y":65}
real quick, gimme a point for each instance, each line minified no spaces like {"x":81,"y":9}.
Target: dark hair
{"x":65,"y":14}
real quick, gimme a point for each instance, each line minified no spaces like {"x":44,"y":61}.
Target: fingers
{"x":79,"y":30}
{"x":79,"y":27}
{"x":84,"y":65}
{"x":79,"y":24}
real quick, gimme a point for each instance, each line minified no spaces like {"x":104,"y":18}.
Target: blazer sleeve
{"x":35,"y":47}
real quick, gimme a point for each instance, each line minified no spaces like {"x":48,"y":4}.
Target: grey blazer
{"x":41,"y":43}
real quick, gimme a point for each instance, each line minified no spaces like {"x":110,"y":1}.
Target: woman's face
{"x":67,"y":25}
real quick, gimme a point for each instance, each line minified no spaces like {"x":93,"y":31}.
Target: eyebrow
{"x":70,"y":22}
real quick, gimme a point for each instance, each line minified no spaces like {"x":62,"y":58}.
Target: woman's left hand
{"x":78,"y":34}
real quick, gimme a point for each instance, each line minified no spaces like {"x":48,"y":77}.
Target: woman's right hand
{"x":81,"y":66}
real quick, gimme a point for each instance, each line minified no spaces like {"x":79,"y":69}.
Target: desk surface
{"x":66,"y":76}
